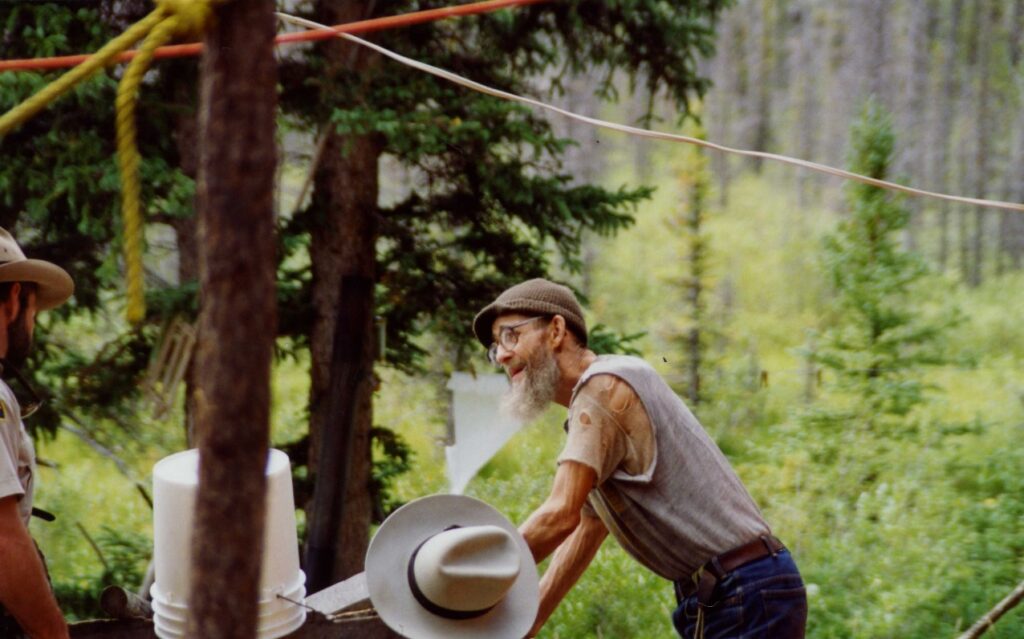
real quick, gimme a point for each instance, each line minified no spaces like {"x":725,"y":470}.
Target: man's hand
{"x":24,"y":590}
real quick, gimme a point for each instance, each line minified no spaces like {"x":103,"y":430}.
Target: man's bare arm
{"x":559,"y":515}
{"x":570,"y":561}
{"x":24,"y":590}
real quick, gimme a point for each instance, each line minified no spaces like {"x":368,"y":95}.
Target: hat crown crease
{"x":469,"y":568}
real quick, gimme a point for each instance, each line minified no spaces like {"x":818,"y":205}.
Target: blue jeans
{"x":764,"y":599}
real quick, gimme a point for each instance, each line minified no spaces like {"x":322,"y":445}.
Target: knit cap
{"x":537,"y":296}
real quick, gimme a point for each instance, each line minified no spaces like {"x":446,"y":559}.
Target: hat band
{"x":429,"y":605}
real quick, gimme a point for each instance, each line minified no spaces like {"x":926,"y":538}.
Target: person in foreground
{"x":27,"y":604}
{"x":637,"y":464}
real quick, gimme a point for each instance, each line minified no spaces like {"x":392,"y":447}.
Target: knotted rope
{"x":171,"y":18}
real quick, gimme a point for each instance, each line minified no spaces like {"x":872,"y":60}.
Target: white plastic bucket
{"x":175,"y":481}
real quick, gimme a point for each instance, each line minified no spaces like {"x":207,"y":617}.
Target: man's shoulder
{"x":627,"y":367}
{"x":610,"y":379}
{"x":613,"y":363}
{"x":607,"y":388}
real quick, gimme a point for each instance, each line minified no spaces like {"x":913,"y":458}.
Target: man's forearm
{"x":24,"y":590}
{"x":568,"y":564}
{"x":546,"y":529}
{"x":559,"y":516}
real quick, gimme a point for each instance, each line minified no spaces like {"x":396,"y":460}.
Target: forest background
{"x":907,"y":526}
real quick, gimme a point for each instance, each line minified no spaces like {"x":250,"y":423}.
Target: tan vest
{"x":689,"y":505}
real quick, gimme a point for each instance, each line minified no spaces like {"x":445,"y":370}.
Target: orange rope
{"x":362,"y":26}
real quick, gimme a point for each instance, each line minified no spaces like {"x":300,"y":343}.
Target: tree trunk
{"x":188,"y":248}
{"x":911,"y":146}
{"x":186,"y":137}
{"x":238,"y":320}
{"x":807,"y":75}
{"x":843,"y":91}
{"x":966,"y":144}
{"x":878,"y":50}
{"x":344,"y":272}
{"x":721,"y":115}
{"x":1012,"y":224}
{"x":982,"y":128}
{"x":585,"y":161}
{"x":949,"y":91}
{"x":696,"y":287}
{"x":639,"y":107}
{"x":759,"y":61}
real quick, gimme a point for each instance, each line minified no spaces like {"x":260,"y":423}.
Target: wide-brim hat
{"x":392,"y":555}
{"x":53,"y":284}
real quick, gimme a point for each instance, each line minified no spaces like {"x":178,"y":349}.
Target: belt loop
{"x":705,"y":581}
{"x":718,"y":571}
{"x":766,"y":540}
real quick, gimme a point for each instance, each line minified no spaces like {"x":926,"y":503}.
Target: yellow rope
{"x":169,"y":19}
{"x":128,"y":159}
{"x":177,"y":17}
{"x":33,"y":105}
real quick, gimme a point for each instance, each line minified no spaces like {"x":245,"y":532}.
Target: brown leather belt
{"x":703,"y":581}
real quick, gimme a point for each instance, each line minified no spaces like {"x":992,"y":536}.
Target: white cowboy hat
{"x":452,"y":567}
{"x":54,"y":284}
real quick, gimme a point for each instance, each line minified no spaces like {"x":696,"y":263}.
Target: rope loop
{"x":177,"y":18}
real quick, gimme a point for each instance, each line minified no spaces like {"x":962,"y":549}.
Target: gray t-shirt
{"x":17,"y":455}
{"x":674,"y":509}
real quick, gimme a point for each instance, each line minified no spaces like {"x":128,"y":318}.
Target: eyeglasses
{"x":35,"y":401}
{"x":508,"y":337}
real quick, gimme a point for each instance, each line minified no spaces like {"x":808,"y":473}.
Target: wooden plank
{"x":316,"y":627}
{"x":350,"y":594}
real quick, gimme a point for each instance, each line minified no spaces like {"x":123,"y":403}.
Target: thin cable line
{"x":646,"y":133}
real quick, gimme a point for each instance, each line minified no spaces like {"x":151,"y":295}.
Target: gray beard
{"x":526,"y":400}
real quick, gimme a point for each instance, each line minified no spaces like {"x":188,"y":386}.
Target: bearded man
{"x":637,"y":464}
{"x":27,"y":604}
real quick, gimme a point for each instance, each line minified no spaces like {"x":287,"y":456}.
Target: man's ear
{"x":558,"y":330}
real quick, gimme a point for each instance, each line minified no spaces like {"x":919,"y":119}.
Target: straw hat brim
{"x":54,"y":284}
{"x":387,"y":562}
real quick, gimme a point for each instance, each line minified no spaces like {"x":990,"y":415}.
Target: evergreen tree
{"x":881,"y":339}
{"x":693,"y":336}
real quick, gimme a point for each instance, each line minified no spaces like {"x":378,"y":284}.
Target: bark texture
{"x":343,"y":252}
{"x":237,"y":317}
